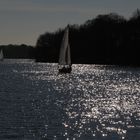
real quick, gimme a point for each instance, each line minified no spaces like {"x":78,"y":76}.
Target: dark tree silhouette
{"x":106,"y":39}
{"x":18,"y":51}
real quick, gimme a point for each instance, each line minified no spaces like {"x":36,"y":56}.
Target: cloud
{"x":46,"y":6}
{"x":62,"y":6}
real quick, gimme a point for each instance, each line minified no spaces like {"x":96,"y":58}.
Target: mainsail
{"x":1,"y":55}
{"x":65,"y":56}
{"x":68,"y":55}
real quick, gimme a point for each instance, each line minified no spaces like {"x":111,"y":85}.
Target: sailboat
{"x":64,"y":65}
{"x":1,"y":55}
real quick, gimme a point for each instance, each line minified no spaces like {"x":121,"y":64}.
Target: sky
{"x":23,"y":21}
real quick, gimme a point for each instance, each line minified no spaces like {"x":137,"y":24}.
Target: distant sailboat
{"x":65,"y":56}
{"x":1,"y":55}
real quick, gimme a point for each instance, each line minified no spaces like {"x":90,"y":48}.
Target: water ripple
{"x":93,"y":102}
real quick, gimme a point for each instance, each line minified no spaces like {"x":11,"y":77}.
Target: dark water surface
{"x":92,"y":103}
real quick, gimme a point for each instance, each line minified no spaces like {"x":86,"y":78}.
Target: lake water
{"x":92,"y":103}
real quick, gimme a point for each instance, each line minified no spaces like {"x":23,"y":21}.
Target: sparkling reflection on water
{"x":93,"y":102}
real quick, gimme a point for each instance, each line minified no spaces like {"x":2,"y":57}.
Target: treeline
{"x":18,"y":51}
{"x":106,"y":39}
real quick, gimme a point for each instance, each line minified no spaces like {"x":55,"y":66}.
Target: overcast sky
{"x":22,"y":21}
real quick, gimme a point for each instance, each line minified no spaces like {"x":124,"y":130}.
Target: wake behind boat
{"x":64,"y":65}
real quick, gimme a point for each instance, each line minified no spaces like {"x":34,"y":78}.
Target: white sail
{"x":1,"y":55}
{"x":68,"y":55}
{"x":64,"y":56}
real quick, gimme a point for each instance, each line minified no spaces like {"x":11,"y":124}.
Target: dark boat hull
{"x":65,"y":70}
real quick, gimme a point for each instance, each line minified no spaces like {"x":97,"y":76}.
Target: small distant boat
{"x":1,"y":55}
{"x":64,"y":65}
